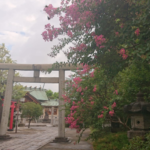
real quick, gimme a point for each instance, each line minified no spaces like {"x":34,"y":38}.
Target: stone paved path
{"x":30,"y":140}
{"x":71,"y":133}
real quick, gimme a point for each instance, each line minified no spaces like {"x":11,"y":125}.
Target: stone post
{"x":61,"y":119}
{"x":61,"y":126}
{"x":52,"y":119}
{"x":7,"y":102}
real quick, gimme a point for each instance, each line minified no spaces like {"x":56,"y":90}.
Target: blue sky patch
{"x":2,"y":33}
{"x":8,"y":46}
{"x":22,"y":33}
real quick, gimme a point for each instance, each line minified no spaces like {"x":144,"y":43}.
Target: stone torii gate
{"x":35,"y":79}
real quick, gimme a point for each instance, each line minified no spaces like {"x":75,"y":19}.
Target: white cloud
{"x":30,"y":18}
{"x":21,"y":25}
{"x":10,"y":5}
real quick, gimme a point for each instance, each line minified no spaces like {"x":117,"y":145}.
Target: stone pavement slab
{"x":71,"y":133}
{"x":29,"y":139}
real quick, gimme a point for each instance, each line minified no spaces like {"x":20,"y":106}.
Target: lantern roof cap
{"x":140,"y":106}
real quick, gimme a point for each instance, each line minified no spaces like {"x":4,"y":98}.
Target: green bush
{"x":138,"y":143}
{"x":111,"y":141}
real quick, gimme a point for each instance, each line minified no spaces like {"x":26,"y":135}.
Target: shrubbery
{"x":111,"y":141}
{"x":138,"y":143}
{"x":119,"y":141}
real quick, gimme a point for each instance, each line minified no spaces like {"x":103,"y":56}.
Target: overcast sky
{"x":21,"y":25}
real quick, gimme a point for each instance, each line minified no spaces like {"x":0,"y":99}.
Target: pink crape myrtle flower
{"x":45,"y":35}
{"x":117,"y":33}
{"x":116,"y":92}
{"x":80,"y":48}
{"x":86,"y":88}
{"x":69,"y":33}
{"x":92,"y":74}
{"x":74,"y":107}
{"x":122,"y":51}
{"x":137,"y":32}
{"x":111,"y":113}
{"x":113,"y":105}
{"x":100,"y":116}
{"x":77,"y":80}
{"x":73,"y":103}
{"x":102,"y":46}
{"x":124,"y":56}
{"x":47,"y":26}
{"x":79,"y":89}
{"x":105,"y":107}
{"x":86,"y":68}
{"x":94,"y":90}
{"x":99,"y":40}
{"x":92,"y":102}
{"x":82,"y":100}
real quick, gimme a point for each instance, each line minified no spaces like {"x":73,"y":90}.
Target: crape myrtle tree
{"x":91,"y":96}
{"x":101,"y":31}
{"x":107,"y":37}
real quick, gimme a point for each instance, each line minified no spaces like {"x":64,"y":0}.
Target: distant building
{"x":38,"y":96}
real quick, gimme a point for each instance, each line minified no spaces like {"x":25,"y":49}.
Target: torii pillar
{"x":61,"y":120}
{"x":6,"y":106}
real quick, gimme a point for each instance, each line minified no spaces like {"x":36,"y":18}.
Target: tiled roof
{"x":51,"y":102}
{"x":37,"y":93}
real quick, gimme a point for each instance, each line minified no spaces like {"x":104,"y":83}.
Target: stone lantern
{"x":140,"y":117}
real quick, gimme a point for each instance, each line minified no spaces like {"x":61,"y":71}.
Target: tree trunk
{"x":29,"y":123}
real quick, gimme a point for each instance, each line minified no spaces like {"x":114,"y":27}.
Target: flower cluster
{"x":113,"y":105}
{"x":94,"y":90}
{"x":111,"y":113}
{"x":50,"y":10}
{"x":100,"y":116}
{"x":69,"y":33}
{"x":137,"y":31}
{"x":122,"y":52}
{"x":80,"y":48}
{"x":117,"y":33}
{"x":74,"y":107}
{"x":86,"y":69}
{"x":116,"y":92}
{"x":99,"y":40}
{"x":66,"y":98}
{"x":79,"y":89}
{"x":51,"y":32}
{"x":92,"y":74}
{"x":77,"y":80}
